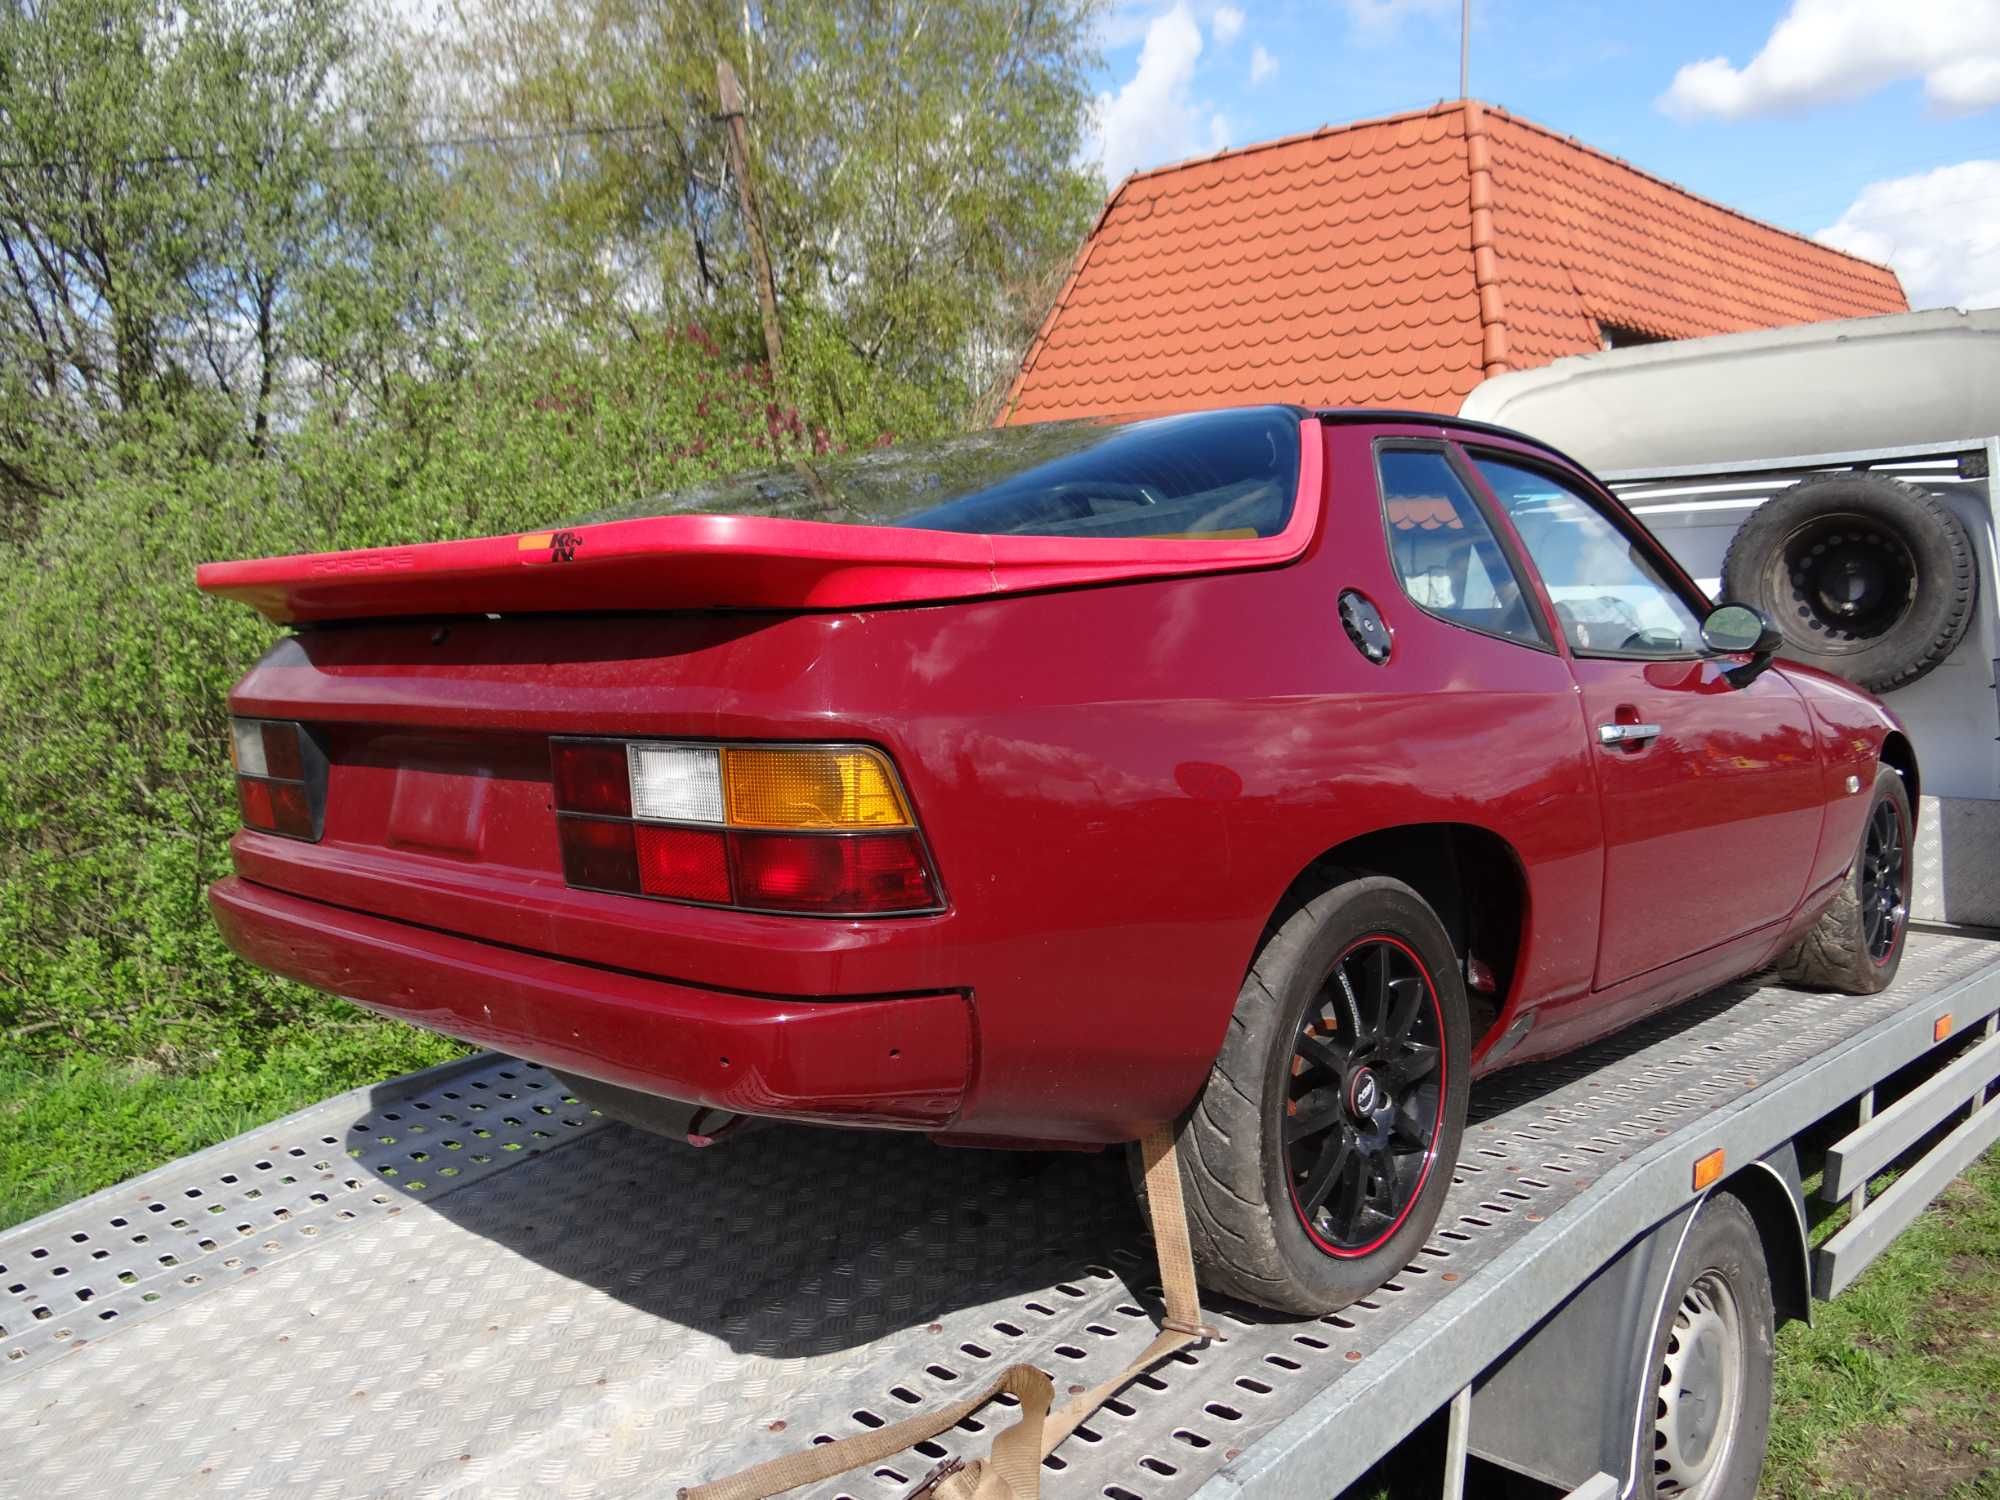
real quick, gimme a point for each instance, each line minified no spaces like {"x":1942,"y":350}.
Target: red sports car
{"x":1272,"y":771}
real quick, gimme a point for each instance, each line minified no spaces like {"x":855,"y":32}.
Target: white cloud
{"x":1153,"y":117}
{"x":1262,"y":64}
{"x":1826,"y":51}
{"x":1939,"y":229}
{"x":1227,"y":24}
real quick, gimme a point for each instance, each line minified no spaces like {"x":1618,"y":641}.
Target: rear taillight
{"x":818,"y":829}
{"x":280,"y":777}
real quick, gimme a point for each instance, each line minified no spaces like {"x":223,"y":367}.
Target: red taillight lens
{"x":591,"y":777}
{"x":857,"y":873}
{"x":599,"y":854}
{"x":688,"y":864}
{"x":284,"y":758}
{"x":280,"y":777}
{"x":256,"y":799}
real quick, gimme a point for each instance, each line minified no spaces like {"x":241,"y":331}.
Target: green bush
{"x":116,"y":803}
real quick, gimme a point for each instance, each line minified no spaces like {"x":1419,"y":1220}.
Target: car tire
{"x":1866,"y":576}
{"x":1351,"y":1026}
{"x":1705,"y":1414}
{"x":1846,"y":949}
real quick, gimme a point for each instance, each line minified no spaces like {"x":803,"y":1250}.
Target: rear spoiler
{"x":728,"y":562}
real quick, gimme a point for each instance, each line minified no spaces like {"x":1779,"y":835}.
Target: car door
{"x":1710,"y":789}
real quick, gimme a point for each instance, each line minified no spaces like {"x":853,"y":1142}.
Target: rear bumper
{"x":902,"y":1062}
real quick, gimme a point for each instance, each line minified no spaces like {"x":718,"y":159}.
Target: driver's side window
{"x":1609,"y":598}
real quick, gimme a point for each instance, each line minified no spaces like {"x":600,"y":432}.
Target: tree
{"x":918,"y":164}
{"x":195,"y":202}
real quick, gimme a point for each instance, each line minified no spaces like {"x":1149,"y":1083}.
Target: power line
{"x":441,"y":143}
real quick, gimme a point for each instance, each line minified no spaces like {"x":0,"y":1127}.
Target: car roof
{"x":1380,"y":415}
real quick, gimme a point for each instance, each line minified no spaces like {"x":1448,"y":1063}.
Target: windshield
{"x":1211,"y":475}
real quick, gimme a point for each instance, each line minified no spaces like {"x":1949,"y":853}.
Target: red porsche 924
{"x":1274,"y":772}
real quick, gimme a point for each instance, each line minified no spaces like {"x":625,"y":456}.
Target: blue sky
{"x":1874,"y":124}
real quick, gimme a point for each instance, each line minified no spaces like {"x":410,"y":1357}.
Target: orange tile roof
{"x":1397,"y":262}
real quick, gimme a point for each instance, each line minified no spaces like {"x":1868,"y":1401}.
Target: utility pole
{"x":1464,"y":49}
{"x":739,"y":167}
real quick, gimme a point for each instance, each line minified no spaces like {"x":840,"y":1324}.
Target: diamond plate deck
{"x":463,"y":1283}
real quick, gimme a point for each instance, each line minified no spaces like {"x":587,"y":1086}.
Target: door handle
{"x":1626,"y":734}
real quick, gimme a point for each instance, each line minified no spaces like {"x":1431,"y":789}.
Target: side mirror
{"x":1733,"y":628}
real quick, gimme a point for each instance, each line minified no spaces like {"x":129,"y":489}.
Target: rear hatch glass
{"x":1222,"y":474}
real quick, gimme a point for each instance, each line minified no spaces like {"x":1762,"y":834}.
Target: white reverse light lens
{"x":249,"y":747}
{"x":676,"y":783}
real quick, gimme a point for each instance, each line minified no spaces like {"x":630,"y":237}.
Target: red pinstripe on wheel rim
{"x":1364,"y":1103}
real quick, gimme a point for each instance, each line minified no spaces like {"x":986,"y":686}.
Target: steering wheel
{"x":1653,"y":638}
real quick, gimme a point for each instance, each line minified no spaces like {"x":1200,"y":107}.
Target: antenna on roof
{"x":1465,"y":49}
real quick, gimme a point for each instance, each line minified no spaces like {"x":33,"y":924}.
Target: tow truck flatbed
{"x":462,"y":1282}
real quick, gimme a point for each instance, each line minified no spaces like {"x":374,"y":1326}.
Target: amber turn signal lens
{"x":847,"y":787}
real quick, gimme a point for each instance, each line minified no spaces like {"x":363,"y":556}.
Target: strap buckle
{"x":942,"y":1470}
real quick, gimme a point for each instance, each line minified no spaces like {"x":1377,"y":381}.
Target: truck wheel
{"x":1708,"y":1411}
{"x":1857,"y":944}
{"x":1866,"y":576}
{"x":1321,"y":1148}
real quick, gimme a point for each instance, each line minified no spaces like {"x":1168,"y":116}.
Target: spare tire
{"x":1866,"y":576}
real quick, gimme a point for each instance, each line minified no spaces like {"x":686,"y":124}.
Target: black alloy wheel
{"x":1366,"y":1098}
{"x":1856,"y":945}
{"x":1884,"y":907}
{"x":1341,"y":1082}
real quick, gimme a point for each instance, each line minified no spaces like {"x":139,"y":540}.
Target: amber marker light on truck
{"x":279,"y":777}
{"x":822,"y":830}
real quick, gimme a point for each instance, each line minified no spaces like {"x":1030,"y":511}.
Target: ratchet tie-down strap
{"x":1013,"y":1470}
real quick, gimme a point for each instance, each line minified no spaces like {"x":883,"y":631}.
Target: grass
{"x":1895,"y":1389}
{"x":70,"y":1128}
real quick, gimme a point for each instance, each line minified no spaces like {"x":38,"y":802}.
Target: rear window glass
{"x":1210,"y":475}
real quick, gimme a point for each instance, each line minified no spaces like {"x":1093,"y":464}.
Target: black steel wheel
{"x":1865,"y":576}
{"x":1847,"y":581}
{"x":1317,"y":1157}
{"x":1365,"y":1102}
